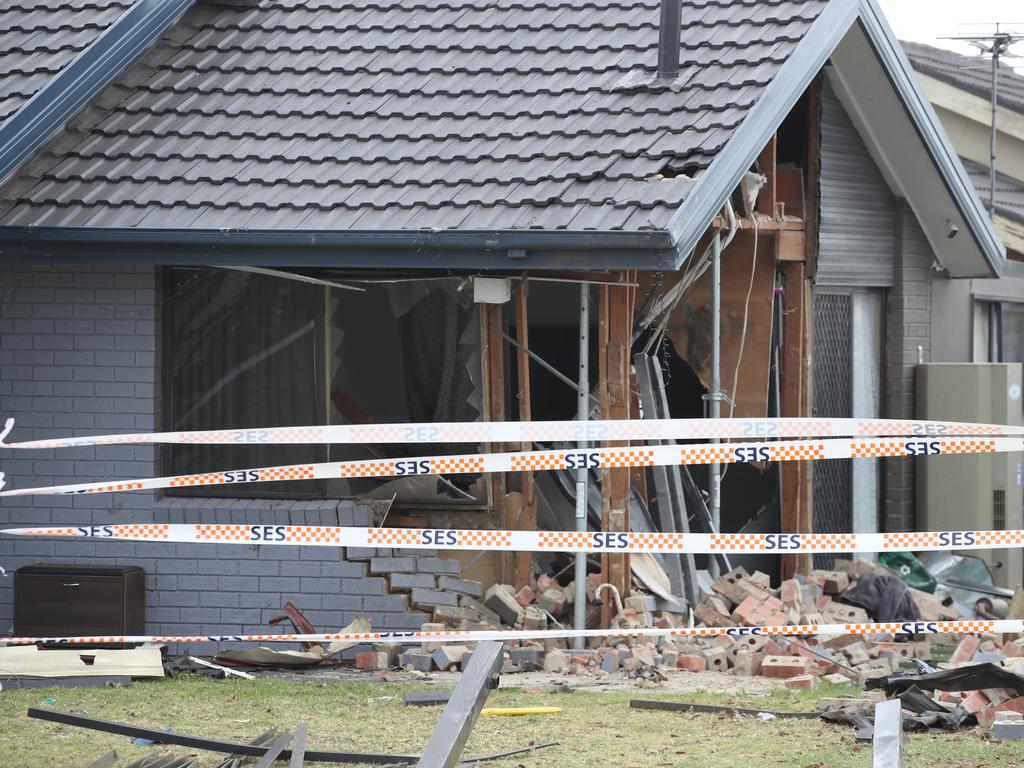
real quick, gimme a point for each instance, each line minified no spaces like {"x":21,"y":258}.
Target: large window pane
{"x":243,"y":350}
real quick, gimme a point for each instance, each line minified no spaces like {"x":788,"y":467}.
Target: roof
{"x":38,"y":38}
{"x":406,"y":115}
{"x":969,"y":73}
{"x":442,"y":132}
{"x":1009,"y":191}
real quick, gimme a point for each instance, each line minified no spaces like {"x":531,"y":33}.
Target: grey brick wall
{"x":78,"y":355}
{"x":908,"y":326}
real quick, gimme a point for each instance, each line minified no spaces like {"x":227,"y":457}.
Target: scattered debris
{"x":688,"y":706}
{"x":426,"y":698}
{"x":310,"y":655}
{"x":29,"y":661}
{"x":518,"y":711}
{"x":225,"y":670}
{"x":108,"y":681}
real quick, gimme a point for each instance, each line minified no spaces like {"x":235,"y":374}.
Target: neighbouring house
{"x":383,"y":160}
{"x":980,"y":320}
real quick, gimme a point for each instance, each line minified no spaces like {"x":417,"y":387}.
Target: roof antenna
{"x":996,"y":44}
{"x":670,"y":32}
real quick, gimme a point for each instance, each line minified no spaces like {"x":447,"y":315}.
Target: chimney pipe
{"x":670,"y":31}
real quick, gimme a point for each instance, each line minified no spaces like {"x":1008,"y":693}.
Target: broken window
{"x":246,"y":350}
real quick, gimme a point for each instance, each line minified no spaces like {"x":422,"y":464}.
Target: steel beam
{"x":460,"y":714}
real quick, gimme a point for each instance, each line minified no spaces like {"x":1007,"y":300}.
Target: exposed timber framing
{"x":528,"y":515}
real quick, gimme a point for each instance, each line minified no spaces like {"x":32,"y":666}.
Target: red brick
{"x":987,"y":716}
{"x":784,"y":666}
{"x":525,"y":596}
{"x":371,"y":660}
{"x":976,"y":702}
{"x":790,"y":592}
{"x":748,"y":612}
{"x":692,"y":663}
{"x":801,"y":681}
{"x":966,"y":650}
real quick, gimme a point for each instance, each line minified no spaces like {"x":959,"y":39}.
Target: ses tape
{"x":530,"y":461}
{"x":473,"y":636}
{"x":534,"y":541}
{"x":540,"y":431}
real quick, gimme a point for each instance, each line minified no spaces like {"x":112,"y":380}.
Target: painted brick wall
{"x":908,"y":326}
{"x":78,"y":355}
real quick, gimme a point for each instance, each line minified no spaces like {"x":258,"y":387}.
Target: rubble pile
{"x":736,"y":599}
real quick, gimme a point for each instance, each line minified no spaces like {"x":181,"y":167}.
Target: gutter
{"x":469,"y":249}
{"x":45,"y":114}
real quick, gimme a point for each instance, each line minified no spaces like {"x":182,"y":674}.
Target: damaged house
{"x":246,"y":213}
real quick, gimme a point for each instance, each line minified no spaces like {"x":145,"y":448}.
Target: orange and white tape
{"x":540,"y":431}
{"x":473,"y":636}
{"x":532,"y":541}
{"x":597,"y":458}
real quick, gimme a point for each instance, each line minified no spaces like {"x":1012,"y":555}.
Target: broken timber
{"x":213,"y":745}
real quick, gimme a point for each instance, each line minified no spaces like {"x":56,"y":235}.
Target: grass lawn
{"x":594,"y":729}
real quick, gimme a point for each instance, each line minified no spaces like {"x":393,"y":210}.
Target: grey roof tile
{"x":38,"y":38}
{"x":406,"y":114}
{"x":971,"y":73}
{"x":1009,"y":195}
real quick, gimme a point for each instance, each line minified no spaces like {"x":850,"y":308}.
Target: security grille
{"x":998,"y":509}
{"x":833,"y":512}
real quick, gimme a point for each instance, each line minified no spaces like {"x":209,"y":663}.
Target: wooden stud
{"x":606,"y":492}
{"x":528,"y":518}
{"x":620,"y":326}
{"x":766,"y":166}
{"x":793,"y":381}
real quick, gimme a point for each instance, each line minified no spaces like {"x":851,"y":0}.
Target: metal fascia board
{"x":713,"y":187}
{"x":905,"y":82}
{"x":57,"y":102}
{"x":499,"y":249}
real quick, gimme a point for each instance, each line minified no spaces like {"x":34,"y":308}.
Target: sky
{"x":928,"y":21}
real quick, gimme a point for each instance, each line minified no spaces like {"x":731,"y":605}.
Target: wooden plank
{"x":766,"y":166}
{"x":298,"y":757}
{"x":790,"y":245}
{"x":689,"y":327}
{"x":606,"y":491}
{"x":620,"y":326}
{"x":792,"y":377}
{"x":528,"y":517}
{"x":494,"y":395}
{"x":30,"y":661}
{"x":812,"y":171}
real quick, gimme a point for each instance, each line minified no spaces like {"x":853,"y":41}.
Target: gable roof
{"x":969,"y":73}
{"x":506,"y":133}
{"x":39,"y":38}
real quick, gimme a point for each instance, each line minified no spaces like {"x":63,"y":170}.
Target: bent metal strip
{"x":473,"y":636}
{"x":539,"y":431}
{"x":532,"y":541}
{"x":602,"y":458}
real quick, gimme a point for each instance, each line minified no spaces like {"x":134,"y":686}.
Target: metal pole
{"x":582,"y":475}
{"x":992,"y":138}
{"x":716,"y":384}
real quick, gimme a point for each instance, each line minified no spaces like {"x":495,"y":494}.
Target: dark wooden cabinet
{"x":52,"y":600}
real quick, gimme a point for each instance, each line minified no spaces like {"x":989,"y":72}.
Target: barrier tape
{"x":540,"y":431}
{"x":473,"y":636}
{"x":533,"y":541}
{"x":528,"y":461}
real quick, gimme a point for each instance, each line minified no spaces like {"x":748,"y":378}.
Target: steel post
{"x":582,"y":475}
